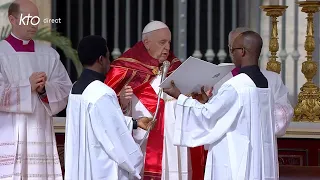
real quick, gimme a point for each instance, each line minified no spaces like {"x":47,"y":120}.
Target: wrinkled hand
{"x":37,"y":81}
{"x":173,"y":91}
{"x":145,"y":123}
{"x":126,"y":96}
{"x":204,"y":96}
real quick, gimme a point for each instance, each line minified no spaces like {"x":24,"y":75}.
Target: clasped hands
{"x":203,"y":97}
{"x":38,"y":81}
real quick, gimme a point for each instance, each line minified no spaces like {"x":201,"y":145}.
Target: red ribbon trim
{"x":45,"y":99}
{"x":153,"y":160}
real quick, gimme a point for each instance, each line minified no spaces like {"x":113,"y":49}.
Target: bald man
{"x":135,"y":77}
{"x":237,"y":124}
{"x":34,"y":86}
{"x":283,"y":109}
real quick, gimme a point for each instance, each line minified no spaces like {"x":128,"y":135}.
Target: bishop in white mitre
{"x":237,"y":124}
{"x":34,"y":86}
{"x":98,"y":141}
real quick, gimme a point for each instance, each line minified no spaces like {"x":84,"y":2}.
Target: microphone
{"x":165,"y":68}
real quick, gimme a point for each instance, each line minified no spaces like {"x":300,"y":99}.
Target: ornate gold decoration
{"x":308,"y":106}
{"x":274,"y":11}
{"x":155,"y":71}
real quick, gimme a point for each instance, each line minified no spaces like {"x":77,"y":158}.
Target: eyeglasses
{"x":231,"y":49}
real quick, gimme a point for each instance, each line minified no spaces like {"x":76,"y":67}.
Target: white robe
{"x":283,"y":110}
{"x":27,"y":139}
{"x":176,"y":162}
{"x":238,"y":127}
{"x":98,"y":143}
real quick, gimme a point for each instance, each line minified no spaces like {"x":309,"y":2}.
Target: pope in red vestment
{"x":139,"y":68}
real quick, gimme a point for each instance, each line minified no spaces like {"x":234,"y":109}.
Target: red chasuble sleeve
{"x":137,"y":69}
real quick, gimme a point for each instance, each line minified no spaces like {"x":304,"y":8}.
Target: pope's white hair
{"x":239,"y":30}
{"x":146,"y":35}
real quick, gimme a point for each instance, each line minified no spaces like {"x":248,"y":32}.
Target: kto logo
{"x":35,"y":20}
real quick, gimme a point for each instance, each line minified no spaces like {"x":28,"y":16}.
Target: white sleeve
{"x":116,"y":140}
{"x":129,"y":122}
{"x":58,"y":87}
{"x":15,"y":97}
{"x":283,"y":110}
{"x":202,"y":124}
{"x":221,"y":82}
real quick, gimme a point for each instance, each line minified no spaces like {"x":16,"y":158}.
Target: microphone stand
{"x":164,"y":70}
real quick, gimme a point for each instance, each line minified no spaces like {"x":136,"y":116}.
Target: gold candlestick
{"x":274,"y":11}
{"x":308,"y":106}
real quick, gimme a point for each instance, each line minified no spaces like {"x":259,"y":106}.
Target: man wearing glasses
{"x":283,"y":110}
{"x":237,"y":125}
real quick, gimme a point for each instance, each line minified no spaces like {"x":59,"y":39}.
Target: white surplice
{"x":176,"y":162}
{"x":283,"y":110}
{"x":98,"y":143}
{"x":27,"y":140}
{"x":238,"y":128}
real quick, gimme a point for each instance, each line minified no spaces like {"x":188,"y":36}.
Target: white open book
{"x":195,"y":73}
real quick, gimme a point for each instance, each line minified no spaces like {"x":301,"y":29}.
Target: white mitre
{"x":154,"y":25}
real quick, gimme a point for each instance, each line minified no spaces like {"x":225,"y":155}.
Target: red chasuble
{"x":137,"y":69}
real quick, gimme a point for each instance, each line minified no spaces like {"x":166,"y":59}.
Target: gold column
{"x":274,"y":11}
{"x":308,"y":107}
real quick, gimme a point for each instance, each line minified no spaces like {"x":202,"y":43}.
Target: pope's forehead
{"x":162,"y":32}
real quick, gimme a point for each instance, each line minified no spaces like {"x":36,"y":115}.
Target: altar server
{"x":98,"y":142}
{"x":237,"y":124}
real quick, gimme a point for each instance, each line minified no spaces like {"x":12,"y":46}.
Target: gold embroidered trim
{"x":132,"y":76}
{"x":136,"y":61}
{"x":147,"y":78}
{"x":175,"y":60}
{"x":155,"y":71}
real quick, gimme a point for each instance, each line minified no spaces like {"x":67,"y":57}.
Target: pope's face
{"x":158,"y":44}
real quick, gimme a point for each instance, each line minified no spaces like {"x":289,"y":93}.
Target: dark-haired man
{"x":237,"y":124}
{"x":98,"y":143}
{"x":34,"y":86}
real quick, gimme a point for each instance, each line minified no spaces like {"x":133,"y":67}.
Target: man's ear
{"x":100,"y":60}
{"x":146,"y":44}
{"x":243,"y":52}
{"x":11,"y":19}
